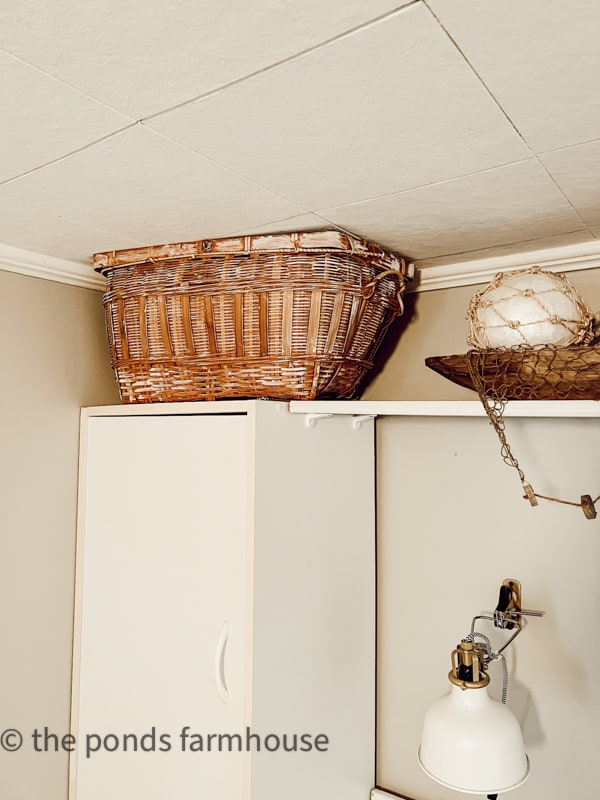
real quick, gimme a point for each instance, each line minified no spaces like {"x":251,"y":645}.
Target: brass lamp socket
{"x":468,"y":666}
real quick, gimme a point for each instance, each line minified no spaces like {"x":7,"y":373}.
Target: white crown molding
{"x":569,"y":258}
{"x":74,"y":273}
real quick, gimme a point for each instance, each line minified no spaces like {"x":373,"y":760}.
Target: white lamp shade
{"x":473,"y":744}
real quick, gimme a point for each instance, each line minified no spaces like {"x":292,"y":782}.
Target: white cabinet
{"x":225,"y":603}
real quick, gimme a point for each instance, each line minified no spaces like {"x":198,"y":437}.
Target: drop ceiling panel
{"x":577,"y":172}
{"x":391,"y":107}
{"x":32,"y":230}
{"x":492,"y":208}
{"x":144,"y":57}
{"x":375,"y":115}
{"x":540,"y":58}
{"x":142,"y":186}
{"x":43,"y":119}
{"x":304,"y":222}
{"x":516,"y":248}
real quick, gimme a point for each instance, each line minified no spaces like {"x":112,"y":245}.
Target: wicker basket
{"x":291,"y":316}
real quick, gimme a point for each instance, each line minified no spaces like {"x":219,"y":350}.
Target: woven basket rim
{"x":308,"y":242}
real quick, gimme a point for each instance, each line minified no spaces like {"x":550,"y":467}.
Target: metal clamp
{"x":508,"y":613}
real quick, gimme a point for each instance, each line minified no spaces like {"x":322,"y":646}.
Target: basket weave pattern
{"x":209,"y":324}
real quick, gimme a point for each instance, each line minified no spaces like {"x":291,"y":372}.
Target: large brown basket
{"x":291,"y":316}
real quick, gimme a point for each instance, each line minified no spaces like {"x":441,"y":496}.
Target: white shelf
{"x":446,"y":408}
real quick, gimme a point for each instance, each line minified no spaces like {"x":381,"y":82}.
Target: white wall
{"x":53,"y":360}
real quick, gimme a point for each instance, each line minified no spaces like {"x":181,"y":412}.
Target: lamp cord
{"x":491,"y":656}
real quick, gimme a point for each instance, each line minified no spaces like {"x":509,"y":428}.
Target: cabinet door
{"x":160,"y":624}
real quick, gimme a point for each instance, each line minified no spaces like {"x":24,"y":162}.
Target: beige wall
{"x":451,"y":526}
{"x":53,"y":361}
{"x":435,"y":325}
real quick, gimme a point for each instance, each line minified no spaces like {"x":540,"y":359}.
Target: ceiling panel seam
{"x":337,"y":227}
{"x":65,"y":156}
{"x":327,"y":225}
{"x":461,"y":253}
{"x":467,"y":61}
{"x":427,"y":185}
{"x":219,"y":164}
{"x":82,"y":225}
{"x":558,"y":186}
{"x":66,"y":84}
{"x":499,"y":106}
{"x":300,"y":54}
{"x":242,"y":231}
{"x":333,"y":225}
{"x":569,"y":146}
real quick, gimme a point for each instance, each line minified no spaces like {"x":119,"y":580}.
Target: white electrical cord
{"x":491,"y":656}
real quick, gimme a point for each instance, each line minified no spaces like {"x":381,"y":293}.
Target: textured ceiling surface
{"x":433,"y":127}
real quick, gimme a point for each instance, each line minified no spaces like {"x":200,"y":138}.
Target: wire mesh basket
{"x":544,"y":372}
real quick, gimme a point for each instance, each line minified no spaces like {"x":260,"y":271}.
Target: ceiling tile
{"x":44,"y":119}
{"x":540,"y":59}
{"x":492,"y":208}
{"x":304,"y":222}
{"x":516,"y":248}
{"x":144,"y":57}
{"x":37,"y":232}
{"x":595,"y":231}
{"x":144,"y":187}
{"x":577,"y":172}
{"x":391,"y":107}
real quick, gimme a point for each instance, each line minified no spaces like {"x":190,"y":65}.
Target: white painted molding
{"x":446,"y":408}
{"x":74,"y":273}
{"x":380,"y":794}
{"x":569,"y":258}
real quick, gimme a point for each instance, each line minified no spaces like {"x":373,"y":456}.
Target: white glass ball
{"x":528,"y":307}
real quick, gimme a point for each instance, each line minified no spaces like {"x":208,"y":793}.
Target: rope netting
{"x":544,"y":372}
{"x":532,"y":373}
{"x":530,"y":307}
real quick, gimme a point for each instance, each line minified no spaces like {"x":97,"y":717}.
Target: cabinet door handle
{"x":222,"y":689}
